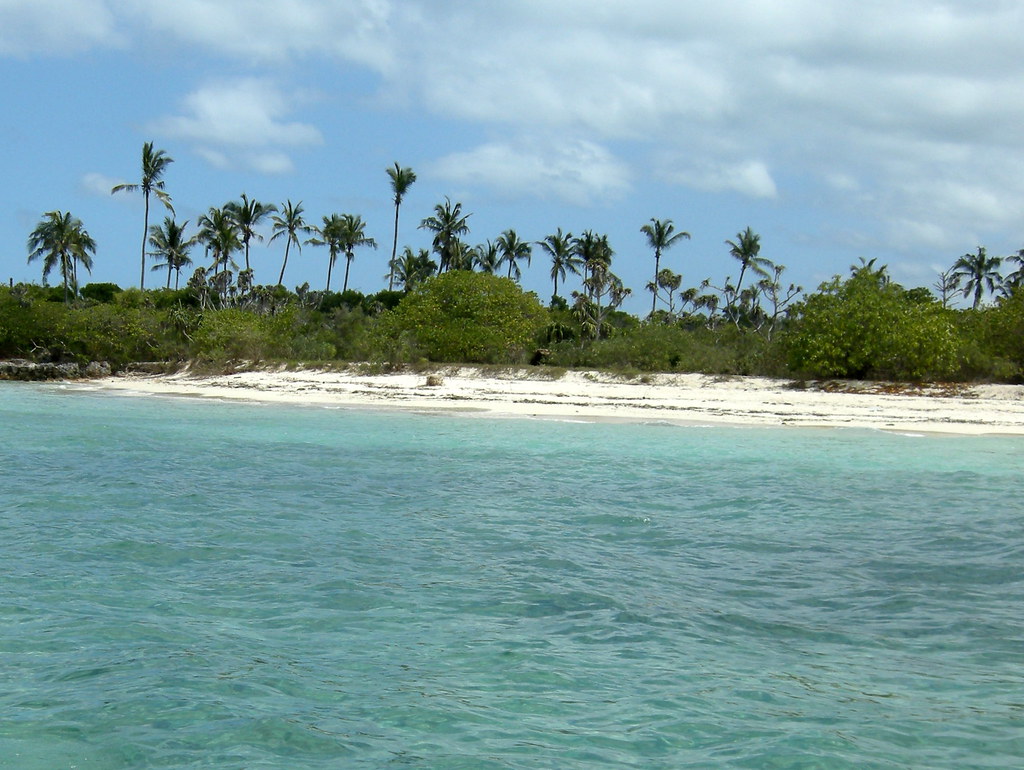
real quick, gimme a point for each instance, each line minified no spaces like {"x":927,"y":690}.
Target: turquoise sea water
{"x":194,"y":584}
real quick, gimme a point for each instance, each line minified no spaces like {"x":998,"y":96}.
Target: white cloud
{"x":99,"y":184}
{"x":576,"y":172}
{"x":751,"y":178}
{"x":270,"y":31}
{"x":63,"y":27}
{"x":271,"y":163}
{"x":813,"y":88}
{"x":246,"y":112}
{"x":228,"y":119}
{"x":903,"y":113}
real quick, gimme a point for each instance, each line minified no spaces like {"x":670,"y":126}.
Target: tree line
{"x":765,"y":321}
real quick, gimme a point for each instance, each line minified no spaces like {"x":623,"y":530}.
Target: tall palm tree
{"x":154,"y":164}
{"x":353,"y":234}
{"x":595,"y":255}
{"x":170,"y":244}
{"x":247,"y":214}
{"x":747,"y":248}
{"x":447,"y":224}
{"x":513,"y":250}
{"x":401,"y":180}
{"x":564,"y":258}
{"x":978,"y":272}
{"x":661,"y":236}
{"x":219,"y":232}
{"x":289,"y":224}
{"x":329,"y":234}
{"x":62,"y":241}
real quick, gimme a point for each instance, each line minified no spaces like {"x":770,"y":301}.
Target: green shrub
{"x":864,"y":328}
{"x":660,"y":347}
{"x":236,"y":334}
{"x":100,"y":292}
{"x":1002,"y":329}
{"x":464,"y":317}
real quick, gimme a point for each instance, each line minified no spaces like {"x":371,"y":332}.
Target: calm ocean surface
{"x":192,"y":584}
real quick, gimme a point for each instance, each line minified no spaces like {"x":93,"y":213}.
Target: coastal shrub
{"x":100,"y":292}
{"x":465,"y":317}
{"x":111,"y":333}
{"x":42,"y":330}
{"x":660,"y":347}
{"x":1003,"y":334}
{"x":862,"y":328}
{"x":237,"y":334}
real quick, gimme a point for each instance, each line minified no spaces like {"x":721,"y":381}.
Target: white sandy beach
{"x":676,"y":398}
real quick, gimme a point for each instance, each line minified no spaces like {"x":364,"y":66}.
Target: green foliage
{"x":236,"y":334}
{"x":382,"y":300}
{"x":101,"y":332}
{"x":100,"y":292}
{"x":169,"y":298}
{"x":659,"y":347}
{"x":1003,"y":334}
{"x":110,"y":333}
{"x":861,"y":327}
{"x":864,"y":328}
{"x":465,"y":317}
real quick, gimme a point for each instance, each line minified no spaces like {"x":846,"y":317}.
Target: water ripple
{"x":196,"y":585}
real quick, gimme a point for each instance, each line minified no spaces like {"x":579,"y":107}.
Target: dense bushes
{"x":235,"y":334}
{"x":867,"y":328}
{"x":675,"y":347}
{"x":860,"y":327}
{"x":465,"y":317}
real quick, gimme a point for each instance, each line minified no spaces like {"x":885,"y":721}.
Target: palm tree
{"x":329,"y":234}
{"x":218,"y":230}
{"x":661,"y":236}
{"x":595,"y":255}
{"x":463,"y":256}
{"x":62,"y":241}
{"x":289,"y":224}
{"x":247,"y":214}
{"x":169,"y":243}
{"x":1016,"y":278}
{"x":410,"y":269}
{"x":353,"y":234}
{"x":154,"y":164}
{"x":486,"y":257}
{"x":401,"y":181}
{"x":866,"y":269}
{"x":512,"y":251}
{"x":978,"y":272}
{"x":746,"y":249}
{"x":447,"y":224}
{"x":564,"y":258}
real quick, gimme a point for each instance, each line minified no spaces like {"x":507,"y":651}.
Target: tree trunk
{"x":287,"y":245}
{"x":348,"y":264}
{"x":145,"y":232}
{"x":394,"y":252}
{"x":657,"y":269}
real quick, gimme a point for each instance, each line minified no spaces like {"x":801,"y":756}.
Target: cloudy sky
{"x":835,"y":129}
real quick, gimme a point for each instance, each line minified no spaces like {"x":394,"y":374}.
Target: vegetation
{"x":462,"y":303}
{"x":463,"y":316}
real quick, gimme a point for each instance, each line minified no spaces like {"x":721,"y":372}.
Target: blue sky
{"x":836,"y":130}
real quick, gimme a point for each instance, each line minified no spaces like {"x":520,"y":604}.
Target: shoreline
{"x":684,"y":399}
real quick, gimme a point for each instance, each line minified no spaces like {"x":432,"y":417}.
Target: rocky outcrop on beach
{"x":23,"y":369}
